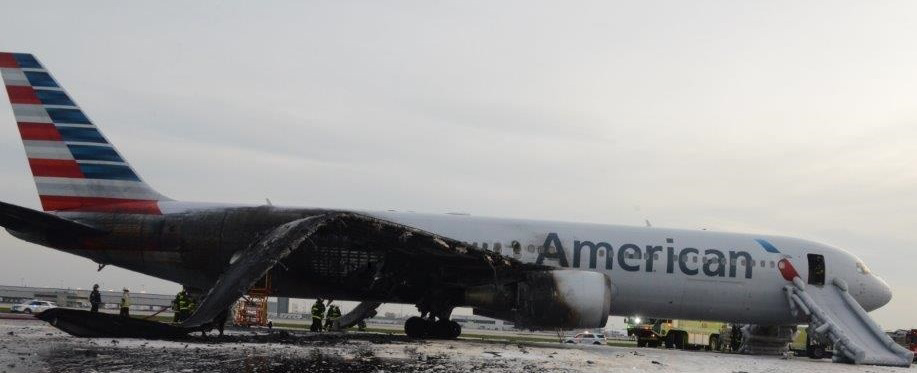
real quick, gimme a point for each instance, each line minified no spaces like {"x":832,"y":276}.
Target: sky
{"x":789,"y":117}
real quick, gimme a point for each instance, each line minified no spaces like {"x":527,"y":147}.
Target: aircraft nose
{"x":883,"y":293}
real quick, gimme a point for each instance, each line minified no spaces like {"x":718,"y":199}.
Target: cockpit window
{"x":862,"y":268}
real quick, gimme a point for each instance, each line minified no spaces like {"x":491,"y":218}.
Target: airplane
{"x":535,"y":274}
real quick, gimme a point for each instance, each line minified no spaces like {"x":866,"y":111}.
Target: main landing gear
{"x":419,"y":327}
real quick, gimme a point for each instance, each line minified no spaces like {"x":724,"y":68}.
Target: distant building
{"x":10,"y":295}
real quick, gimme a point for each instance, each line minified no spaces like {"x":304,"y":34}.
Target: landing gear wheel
{"x":445,"y":329}
{"x":416,"y":327}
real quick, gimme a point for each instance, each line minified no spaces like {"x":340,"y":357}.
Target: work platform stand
{"x":251,"y":310}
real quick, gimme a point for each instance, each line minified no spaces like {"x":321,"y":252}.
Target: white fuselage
{"x":691,"y":274}
{"x":699,"y":275}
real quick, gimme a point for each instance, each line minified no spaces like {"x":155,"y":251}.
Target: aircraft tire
{"x":670,"y":340}
{"x":416,"y":327}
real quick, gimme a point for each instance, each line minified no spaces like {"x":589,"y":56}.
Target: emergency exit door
{"x":816,"y":269}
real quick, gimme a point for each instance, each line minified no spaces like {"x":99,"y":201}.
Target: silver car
{"x":587,"y":338}
{"x":33,"y":306}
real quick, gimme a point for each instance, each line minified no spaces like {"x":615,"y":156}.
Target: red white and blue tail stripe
{"x":74,"y":166}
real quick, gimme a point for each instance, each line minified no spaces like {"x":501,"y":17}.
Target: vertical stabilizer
{"x":75,"y":167}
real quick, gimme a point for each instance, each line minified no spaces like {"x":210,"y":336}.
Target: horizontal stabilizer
{"x":26,"y":220}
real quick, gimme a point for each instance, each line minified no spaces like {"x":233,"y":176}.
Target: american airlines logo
{"x":648,"y":258}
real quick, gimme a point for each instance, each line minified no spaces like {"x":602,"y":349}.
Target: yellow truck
{"x":680,"y":334}
{"x":811,"y":346}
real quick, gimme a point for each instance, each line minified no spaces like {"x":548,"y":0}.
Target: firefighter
{"x":318,"y":313}
{"x":95,"y":299}
{"x":334,"y":315}
{"x":175,"y":307}
{"x":125,"y":303}
{"x":184,"y":305}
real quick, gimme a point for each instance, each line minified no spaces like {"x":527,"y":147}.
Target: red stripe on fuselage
{"x":22,"y":95}
{"x":39,"y":131}
{"x":55,"y":168}
{"x":99,"y":204}
{"x":7,"y":60}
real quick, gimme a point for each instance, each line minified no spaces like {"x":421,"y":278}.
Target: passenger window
{"x":772,"y":264}
{"x":742,"y":262}
{"x":695,"y":259}
{"x":763,"y":263}
{"x":531,"y":248}
{"x":656,"y":256}
{"x":541,"y":249}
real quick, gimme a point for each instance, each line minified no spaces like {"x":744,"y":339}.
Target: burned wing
{"x":351,"y":256}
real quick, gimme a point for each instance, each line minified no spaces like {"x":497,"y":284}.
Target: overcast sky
{"x":788,"y":117}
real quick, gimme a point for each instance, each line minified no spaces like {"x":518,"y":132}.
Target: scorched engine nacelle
{"x":562,"y":299}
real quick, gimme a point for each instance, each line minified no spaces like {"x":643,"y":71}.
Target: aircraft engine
{"x":565,"y":299}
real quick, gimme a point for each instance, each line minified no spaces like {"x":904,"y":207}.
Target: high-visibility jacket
{"x":184,"y":303}
{"x":318,"y":310}
{"x":334,"y":313}
{"x":125,"y":301}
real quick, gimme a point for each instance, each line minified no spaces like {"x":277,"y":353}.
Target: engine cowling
{"x":565,"y":299}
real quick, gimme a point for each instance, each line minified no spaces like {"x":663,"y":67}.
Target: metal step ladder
{"x":834,"y":314}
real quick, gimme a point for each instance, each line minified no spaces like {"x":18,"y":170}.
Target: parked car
{"x":587,"y":338}
{"x":33,"y":306}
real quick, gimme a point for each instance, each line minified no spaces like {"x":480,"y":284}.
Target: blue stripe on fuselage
{"x":767,"y":246}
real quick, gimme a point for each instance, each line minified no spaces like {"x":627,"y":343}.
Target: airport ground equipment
{"x":811,"y":345}
{"x":251,"y":310}
{"x":680,"y":334}
{"x":906,"y":338}
{"x":834,"y":314}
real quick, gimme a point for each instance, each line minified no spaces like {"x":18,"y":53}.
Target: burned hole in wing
{"x":375,"y":259}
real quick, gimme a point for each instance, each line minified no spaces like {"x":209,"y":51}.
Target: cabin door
{"x":816,"y":269}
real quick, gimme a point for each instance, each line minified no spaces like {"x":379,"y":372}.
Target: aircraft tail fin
{"x":74,"y":166}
